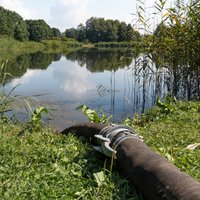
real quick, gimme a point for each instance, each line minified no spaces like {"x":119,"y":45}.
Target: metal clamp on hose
{"x":111,"y":136}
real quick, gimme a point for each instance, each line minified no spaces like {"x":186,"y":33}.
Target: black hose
{"x":154,"y":176}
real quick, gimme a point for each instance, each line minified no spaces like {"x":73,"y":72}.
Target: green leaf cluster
{"x":38,"y":30}
{"x":94,"y":116}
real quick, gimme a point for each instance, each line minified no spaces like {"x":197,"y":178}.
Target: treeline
{"x":100,"y":30}
{"x":95,"y":29}
{"x":13,"y":25}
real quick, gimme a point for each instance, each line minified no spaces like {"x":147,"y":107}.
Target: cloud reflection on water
{"x":74,"y":80}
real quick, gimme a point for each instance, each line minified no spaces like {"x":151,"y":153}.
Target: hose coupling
{"x":111,"y":136}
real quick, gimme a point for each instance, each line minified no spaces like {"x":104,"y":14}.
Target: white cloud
{"x":75,"y":2}
{"x":73,"y":80}
{"x":69,"y":13}
{"x":19,"y":7}
{"x":25,"y":78}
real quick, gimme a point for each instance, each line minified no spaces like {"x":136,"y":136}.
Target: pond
{"x":117,"y":81}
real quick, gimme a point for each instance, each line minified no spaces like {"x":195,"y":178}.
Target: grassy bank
{"x":171,"y":134}
{"x":45,"y":165}
{"x":10,"y":48}
{"x":115,"y":44}
{"x":50,"y":166}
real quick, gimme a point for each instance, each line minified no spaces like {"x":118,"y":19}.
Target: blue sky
{"x":64,"y":14}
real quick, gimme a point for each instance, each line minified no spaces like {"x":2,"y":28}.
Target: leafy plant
{"x":35,"y":122}
{"x":5,"y":99}
{"x":165,"y":107}
{"x":94,"y":116}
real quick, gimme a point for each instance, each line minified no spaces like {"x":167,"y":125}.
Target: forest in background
{"x":95,"y":30}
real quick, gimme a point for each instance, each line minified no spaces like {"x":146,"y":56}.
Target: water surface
{"x":112,"y":80}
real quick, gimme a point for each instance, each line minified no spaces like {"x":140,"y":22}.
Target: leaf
{"x":166,"y":108}
{"x":91,"y":114}
{"x":99,"y":178}
{"x":193,"y":146}
{"x":37,"y":114}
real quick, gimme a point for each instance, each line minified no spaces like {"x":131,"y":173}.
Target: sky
{"x":65,"y":14}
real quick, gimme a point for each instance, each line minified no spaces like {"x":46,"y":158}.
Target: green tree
{"x":71,"y":33}
{"x":122,"y":32}
{"x":81,"y":33}
{"x":12,"y":24}
{"x":56,"y":32}
{"x":38,"y":30}
{"x":130,"y":32}
{"x":95,"y":29}
{"x":111,"y":31}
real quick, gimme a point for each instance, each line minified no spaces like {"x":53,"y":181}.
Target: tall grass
{"x":62,"y":44}
{"x":11,"y":103}
{"x":116,"y":44}
{"x":174,"y":43}
{"x":10,"y":48}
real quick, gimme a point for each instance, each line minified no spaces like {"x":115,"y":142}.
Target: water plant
{"x":9,"y":105}
{"x":94,"y":116}
{"x":173,"y":43}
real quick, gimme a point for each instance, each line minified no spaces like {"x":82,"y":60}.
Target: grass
{"x":61,"y":44}
{"x":115,"y":44}
{"x":51,"y":166}
{"x":170,"y":134}
{"x":46,"y":165}
{"x":11,"y":48}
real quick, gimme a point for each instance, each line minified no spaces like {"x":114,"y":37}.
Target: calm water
{"x":113,"y":80}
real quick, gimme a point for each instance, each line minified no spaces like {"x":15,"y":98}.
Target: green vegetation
{"x":171,"y":134}
{"x":11,"y":48}
{"x":171,"y":128}
{"x":46,"y":165}
{"x":116,"y":45}
{"x":174,"y":44}
{"x":61,"y":43}
{"x":38,"y":30}
{"x":12,"y":24}
{"x":101,"y":30}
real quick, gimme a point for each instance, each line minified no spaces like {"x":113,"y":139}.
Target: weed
{"x":93,"y":116}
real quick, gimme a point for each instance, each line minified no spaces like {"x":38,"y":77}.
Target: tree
{"x":71,"y":33}
{"x":81,"y":33}
{"x":38,"y":30}
{"x":12,"y":24}
{"x":111,"y":31}
{"x":56,"y":32}
{"x":122,"y":32}
{"x":129,"y":33}
{"x":95,"y":29}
